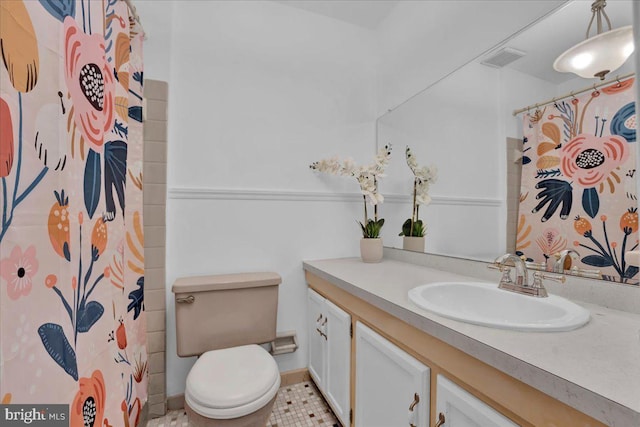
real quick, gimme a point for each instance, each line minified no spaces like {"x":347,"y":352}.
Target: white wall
{"x":156,"y":20}
{"x":266,"y":83}
{"x":258,"y":91}
{"x":519,"y":90}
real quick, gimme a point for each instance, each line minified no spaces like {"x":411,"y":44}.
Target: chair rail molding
{"x":206,"y":193}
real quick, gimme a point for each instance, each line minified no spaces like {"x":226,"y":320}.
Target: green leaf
{"x":372,"y":229}
{"x":418,"y":229}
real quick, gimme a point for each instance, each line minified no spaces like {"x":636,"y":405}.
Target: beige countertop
{"x":595,"y":369}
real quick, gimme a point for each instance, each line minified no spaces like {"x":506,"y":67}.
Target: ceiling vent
{"x":502,"y":57}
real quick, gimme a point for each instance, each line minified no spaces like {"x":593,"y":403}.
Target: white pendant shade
{"x":598,"y":55}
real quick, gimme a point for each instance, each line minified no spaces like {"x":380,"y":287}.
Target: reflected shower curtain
{"x":579,"y":182}
{"x":73,"y":328}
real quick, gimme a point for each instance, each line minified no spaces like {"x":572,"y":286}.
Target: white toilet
{"x":222,"y":318}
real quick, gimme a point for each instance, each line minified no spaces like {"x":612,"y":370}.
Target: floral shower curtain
{"x":72,"y":329}
{"x":579,"y":184}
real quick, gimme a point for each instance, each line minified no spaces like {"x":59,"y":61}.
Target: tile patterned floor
{"x":297,"y":405}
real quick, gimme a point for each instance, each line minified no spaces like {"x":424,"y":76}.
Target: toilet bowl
{"x":232,"y":387}
{"x":222,"y":319}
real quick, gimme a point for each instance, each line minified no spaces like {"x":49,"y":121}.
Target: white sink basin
{"x":484,"y":304}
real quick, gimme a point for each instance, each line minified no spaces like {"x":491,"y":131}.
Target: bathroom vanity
{"x":410,"y":367}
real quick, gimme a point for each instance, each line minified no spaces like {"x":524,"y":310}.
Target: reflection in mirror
{"x":464,"y":125}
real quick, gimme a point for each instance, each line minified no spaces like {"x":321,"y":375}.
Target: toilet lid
{"x":232,"y":381}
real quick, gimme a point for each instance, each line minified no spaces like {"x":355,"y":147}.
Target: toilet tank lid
{"x":225,"y":281}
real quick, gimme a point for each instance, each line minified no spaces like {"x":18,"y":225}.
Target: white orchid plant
{"x":423,"y":177}
{"x":368,"y":177}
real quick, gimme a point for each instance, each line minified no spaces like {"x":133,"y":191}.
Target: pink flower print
{"x":589,"y":159}
{"x":90,"y":82}
{"x":18,"y":271}
{"x":551,"y":241}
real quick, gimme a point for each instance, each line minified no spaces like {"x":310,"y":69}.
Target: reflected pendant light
{"x":601,"y":54}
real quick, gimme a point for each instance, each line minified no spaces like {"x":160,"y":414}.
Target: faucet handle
{"x":538,"y":289}
{"x":538,"y":276}
{"x":495,"y":266}
{"x":506,"y":272}
{"x":583,"y":272}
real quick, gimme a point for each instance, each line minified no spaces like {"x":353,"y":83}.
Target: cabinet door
{"x":317,"y":342}
{"x":387,"y":380}
{"x":338,"y":382}
{"x":462,"y":409}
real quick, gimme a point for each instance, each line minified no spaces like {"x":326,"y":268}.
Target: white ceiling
{"x":363,"y":13}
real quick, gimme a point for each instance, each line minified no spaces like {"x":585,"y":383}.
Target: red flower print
{"x":121,"y":336}
{"x":87,"y":409}
{"x":18,"y":271}
{"x":90,"y":83}
{"x":6,"y":139}
{"x":589,"y":159}
{"x":618,"y":87}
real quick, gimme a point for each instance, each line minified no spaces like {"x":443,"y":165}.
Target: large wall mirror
{"x":465,"y":126}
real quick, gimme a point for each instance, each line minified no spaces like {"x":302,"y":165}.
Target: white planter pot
{"x":371,"y":250}
{"x":414,"y":244}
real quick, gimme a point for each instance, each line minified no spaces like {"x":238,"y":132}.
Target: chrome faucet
{"x":521,"y":285}
{"x":564,"y":260}
{"x":522,"y":278}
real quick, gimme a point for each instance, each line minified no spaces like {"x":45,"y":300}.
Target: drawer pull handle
{"x":322,"y":334}
{"x":416,"y":400}
{"x":188,"y":300}
{"x":440,"y":420}
{"x":412,"y":414}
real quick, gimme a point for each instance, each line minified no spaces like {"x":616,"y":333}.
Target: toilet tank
{"x":221,"y":311}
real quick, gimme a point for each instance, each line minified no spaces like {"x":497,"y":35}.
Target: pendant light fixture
{"x":601,"y":54}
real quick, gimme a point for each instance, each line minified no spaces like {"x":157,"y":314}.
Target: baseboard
{"x":294,"y":376}
{"x":175,"y":402}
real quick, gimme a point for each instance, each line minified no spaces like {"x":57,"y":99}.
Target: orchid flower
{"x":367,"y":177}
{"x":423,"y":177}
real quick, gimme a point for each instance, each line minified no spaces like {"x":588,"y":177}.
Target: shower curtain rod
{"x":573,"y":93}
{"x":135,"y":15}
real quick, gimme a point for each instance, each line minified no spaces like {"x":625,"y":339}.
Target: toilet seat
{"x":232,"y":382}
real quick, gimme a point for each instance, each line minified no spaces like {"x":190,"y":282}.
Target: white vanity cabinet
{"x":392,"y":388}
{"x":459,"y":408}
{"x":330,"y":353}
{"x":394,"y":360}
{"x":317,"y":342}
